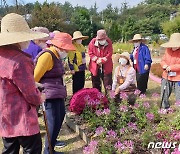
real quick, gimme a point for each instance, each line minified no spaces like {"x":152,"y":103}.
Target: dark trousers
{"x":31,"y":144}
{"x":55,"y":112}
{"x":131,"y":98}
{"x":106,"y":78}
{"x":78,"y":81}
{"x":142,"y":81}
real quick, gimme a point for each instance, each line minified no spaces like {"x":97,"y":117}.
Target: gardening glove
{"x":168,"y":69}
{"x":146,"y":67}
{"x":165,"y":66}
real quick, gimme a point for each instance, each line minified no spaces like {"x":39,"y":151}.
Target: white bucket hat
{"x":137,"y":37}
{"x":14,"y":29}
{"x":174,"y":41}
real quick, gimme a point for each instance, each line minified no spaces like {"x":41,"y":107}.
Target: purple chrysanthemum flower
{"x":112,"y":133}
{"x":132,"y":125}
{"x":123,"y":96}
{"x":99,"y":130}
{"x":150,"y":116}
{"x":98,"y":113}
{"x":123,"y":108}
{"x":137,"y":92}
{"x":146,"y":105}
{"x":106,"y":111}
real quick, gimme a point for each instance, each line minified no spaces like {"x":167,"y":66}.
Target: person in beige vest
{"x":124,"y":79}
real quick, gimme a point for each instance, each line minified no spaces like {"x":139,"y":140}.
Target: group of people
{"x":20,"y":77}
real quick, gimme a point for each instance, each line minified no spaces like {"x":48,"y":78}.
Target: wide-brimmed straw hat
{"x":62,"y":41}
{"x":137,"y":37}
{"x":125,"y":55}
{"x":78,"y":35}
{"x":14,"y":29}
{"x":43,"y":30}
{"x":101,"y":34}
{"x":174,"y":41}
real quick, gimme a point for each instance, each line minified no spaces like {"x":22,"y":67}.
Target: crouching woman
{"x":124,"y":79}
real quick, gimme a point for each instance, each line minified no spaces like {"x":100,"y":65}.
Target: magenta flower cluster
{"x":123,"y":108}
{"x":150,"y":116}
{"x":106,"y":111}
{"x":99,"y":130}
{"x":91,"y":148}
{"x":111,"y":134}
{"x":125,"y":146}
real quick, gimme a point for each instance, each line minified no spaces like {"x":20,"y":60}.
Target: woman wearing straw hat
{"x":77,"y":61}
{"x":125,"y":78}
{"x":36,"y":46}
{"x":171,"y":74}
{"x":49,"y":72}
{"x":141,"y":59}
{"x":101,"y":66}
{"x":18,"y":98}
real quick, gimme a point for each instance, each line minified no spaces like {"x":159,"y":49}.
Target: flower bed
{"x":122,"y":128}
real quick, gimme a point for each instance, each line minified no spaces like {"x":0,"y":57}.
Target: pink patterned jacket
{"x":18,"y":94}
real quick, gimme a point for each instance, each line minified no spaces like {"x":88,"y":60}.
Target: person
{"x":141,"y":59}
{"x":49,"y":72}
{"x":100,"y":51}
{"x":36,"y":46}
{"x":171,"y":74}
{"x":18,"y":98}
{"x":77,"y":61}
{"x":124,"y":79}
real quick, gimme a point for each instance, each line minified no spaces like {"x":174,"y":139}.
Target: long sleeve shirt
{"x":128,"y":73}
{"x":172,"y":59}
{"x":44,"y":64}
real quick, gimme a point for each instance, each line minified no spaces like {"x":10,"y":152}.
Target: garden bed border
{"x":77,"y":129}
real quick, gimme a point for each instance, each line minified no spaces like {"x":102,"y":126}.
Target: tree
{"x":47,"y":15}
{"x":170,"y":27}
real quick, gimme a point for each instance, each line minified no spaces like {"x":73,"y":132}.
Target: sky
{"x":101,"y":4}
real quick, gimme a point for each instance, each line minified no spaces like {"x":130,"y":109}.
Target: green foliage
{"x":170,"y":27}
{"x":147,"y":137}
{"x":47,"y":15}
{"x":163,"y":127}
{"x":176,"y":121}
{"x":106,"y":148}
{"x":122,"y":47}
{"x":141,"y":116}
{"x":120,"y":23}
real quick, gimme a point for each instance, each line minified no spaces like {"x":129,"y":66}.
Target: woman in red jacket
{"x":101,"y":66}
{"x":19,"y":96}
{"x":171,"y":65}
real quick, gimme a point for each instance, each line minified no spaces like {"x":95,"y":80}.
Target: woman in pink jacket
{"x":171,"y":65}
{"x":19,"y":96}
{"x":101,"y":66}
